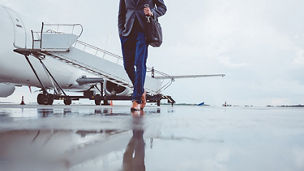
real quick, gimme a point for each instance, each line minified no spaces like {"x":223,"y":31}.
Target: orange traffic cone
{"x":111,"y":103}
{"x":22,"y":101}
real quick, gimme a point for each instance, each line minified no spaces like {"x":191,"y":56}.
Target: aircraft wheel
{"x":39,"y":99}
{"x":97,"y":100}
{"x":106,"y":102}
{"x":67,"y":101}
{"x":158,"y":103}
{"x":50,"y":99}
{"x":43,"y":99}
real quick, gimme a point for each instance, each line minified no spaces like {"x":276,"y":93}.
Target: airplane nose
{"x":16,"y":35}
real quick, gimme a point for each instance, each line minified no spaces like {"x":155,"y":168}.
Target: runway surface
{"x":179,"y":138}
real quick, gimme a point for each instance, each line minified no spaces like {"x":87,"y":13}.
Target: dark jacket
{"x":129,"y":9}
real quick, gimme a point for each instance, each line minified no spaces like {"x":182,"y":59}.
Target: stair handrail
{"x":51,"y":30}
{"x":105,"y":52}
{"x":88,"y":48}
{"x":91,"y":49}
{"x":58,"y":26}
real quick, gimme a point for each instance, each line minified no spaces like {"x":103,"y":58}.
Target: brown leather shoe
{"x":135,"y":106}
{"x":143,"y":101}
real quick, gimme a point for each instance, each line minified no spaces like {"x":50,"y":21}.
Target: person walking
{"x":132,"y":19}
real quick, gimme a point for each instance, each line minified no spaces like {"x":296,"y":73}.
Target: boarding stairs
{"x":60,"y":41}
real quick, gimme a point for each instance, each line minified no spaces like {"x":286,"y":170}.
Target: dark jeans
{"x":135,"y":53}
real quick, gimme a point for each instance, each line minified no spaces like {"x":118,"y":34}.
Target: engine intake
{"x":6,"y":89}
{"x":112,"y":89}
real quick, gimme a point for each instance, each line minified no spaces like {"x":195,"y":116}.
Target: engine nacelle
{"x":6,"y":89}
{"x":112,"y":89}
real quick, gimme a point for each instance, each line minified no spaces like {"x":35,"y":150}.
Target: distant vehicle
{"x":54,"y":60}
{"x":226,"y":105}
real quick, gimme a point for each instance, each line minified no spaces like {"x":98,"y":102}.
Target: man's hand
{"x":148,"y":11}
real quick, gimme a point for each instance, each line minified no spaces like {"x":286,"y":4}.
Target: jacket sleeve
{"x":160,"y":9}
{"x":121,"y":16}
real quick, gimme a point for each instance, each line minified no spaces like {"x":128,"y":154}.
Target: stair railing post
{"x":41,"y":35}
{"x":33,"y":41}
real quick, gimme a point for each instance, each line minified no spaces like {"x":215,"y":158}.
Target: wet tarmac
{"x":179,"y":138}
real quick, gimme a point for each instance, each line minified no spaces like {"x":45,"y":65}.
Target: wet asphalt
{"x":84,"y":137}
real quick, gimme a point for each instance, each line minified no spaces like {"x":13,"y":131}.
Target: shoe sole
{"x":134,"y":109}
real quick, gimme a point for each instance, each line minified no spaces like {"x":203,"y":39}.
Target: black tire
{"x":106,"y":102}
{"x":158,"y":103}
{"x":67,"y":101}
{"x":42,"y":99}
{"x":97,"y":100}
{"x":50,"y":99}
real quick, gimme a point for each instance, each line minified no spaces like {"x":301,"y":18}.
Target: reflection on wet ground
{"x":80,"y":138}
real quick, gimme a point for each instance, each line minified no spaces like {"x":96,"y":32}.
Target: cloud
{"x":299,"y":59}
{"x":226,"y":61}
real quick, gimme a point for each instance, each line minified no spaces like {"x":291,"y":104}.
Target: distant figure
{"x":131,"y":25}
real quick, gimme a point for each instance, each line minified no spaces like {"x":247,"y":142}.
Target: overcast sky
{"x":258,"y":44}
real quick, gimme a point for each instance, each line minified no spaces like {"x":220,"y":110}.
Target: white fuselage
{"x":15,"y":69}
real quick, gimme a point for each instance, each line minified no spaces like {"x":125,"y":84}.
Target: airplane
{"x":54,"y":60}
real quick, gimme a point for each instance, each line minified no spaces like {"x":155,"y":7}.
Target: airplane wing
{"x":187,"y":76}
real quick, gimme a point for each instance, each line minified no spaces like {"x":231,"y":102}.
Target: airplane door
{"x":19,"y":30}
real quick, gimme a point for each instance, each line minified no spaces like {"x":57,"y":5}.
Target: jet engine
{"x":6,"y":89}
{"x":112,"y":89}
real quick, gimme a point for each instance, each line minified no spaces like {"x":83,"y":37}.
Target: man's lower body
{"x":135,"y":53}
